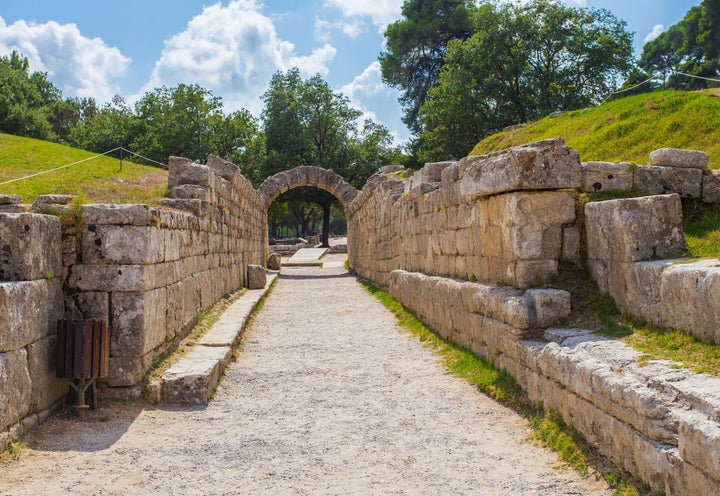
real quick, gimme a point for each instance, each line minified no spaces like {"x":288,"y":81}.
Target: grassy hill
{"x":628,"y":129}
{"x":97,"y":180}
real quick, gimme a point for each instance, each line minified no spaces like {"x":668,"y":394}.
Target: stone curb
{"x":195,"y":376}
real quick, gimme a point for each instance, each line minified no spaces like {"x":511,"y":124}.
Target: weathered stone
{"x":607,"y":176}
{"x":30,"y":247}
{"x":192,"y":380}
{"x":274,"y":261}
{"x":46,"y":388}
{"x":429,"y":174}
{"x":45,"y":201}
{"x":138,"y":323}
{"x":637,"y":288}
{"x":689,"y":295}
{"x":10,"y":199}
{"x":656,"y":180}
{"x":127,"y":371}
{"x":192,"y":206}
{"x":28,"y":312}
{"x":130,"y":215}
{"x":184,"y":171}
{"x":88,"y":305}
{"x":699,"y":442}
{"x":546,"y":164}
{"x":256,"y":276}
{"x":122,"y":245}
{"x":191,"y":191}
{"x":13,"y":209}
{"x":222,"y":168}
{"x":711,"y":187}
{"x":549,"y":305}
{"x":634,"y":229}
{"x":111,"y":277}
{"x":15,"y":387}
{"x":571,"y":243}
{"x":673,"y":157}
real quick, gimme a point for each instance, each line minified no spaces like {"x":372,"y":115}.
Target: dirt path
{"x":327,"y":397}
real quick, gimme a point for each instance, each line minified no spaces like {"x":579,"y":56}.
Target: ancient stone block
{"x":47,"y":201}
{"x":28,"y":312}
{"x":46,"y":388}
{"x":634,"y":229}
{"x":138,"y":323}
{"x":191,"y":191}
{"x":656,"y":180}
{"x":192,"y":206}
{"x":256,"y":277}
{"x":122,"y":245}
{"x":546,"y":164}
{"x":132,"y":215}
{"x":711,"y":187}
{"x":222,"y":168}
{"x":274,"y":261}
{"x":607,"y":176}
{"x":192,"y":380}
{"x":112,"y":277}
{"x":127,"y":371}
{"x":184,"y":171}
{"x":673,"y":157}
{"x":88,"y":305}
{"x":10,"y":199}
{"x":699,"y":442}
{"x":689,"y":294}
{"x":30,"y":247}
{"x":549,"y":305}
{"x":637,"y":290}
{"x":15,"y":387}
{"x":13,"y":209}
{"x":571,"y":243}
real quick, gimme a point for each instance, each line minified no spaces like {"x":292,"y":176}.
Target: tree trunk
{"x":326,"y":226}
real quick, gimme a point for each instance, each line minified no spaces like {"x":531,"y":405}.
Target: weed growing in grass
{"x":13,"y":450}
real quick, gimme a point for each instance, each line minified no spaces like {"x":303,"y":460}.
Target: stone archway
{"x":307,"y":175}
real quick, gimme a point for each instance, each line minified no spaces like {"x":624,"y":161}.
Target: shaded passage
{"x":328,"y":396}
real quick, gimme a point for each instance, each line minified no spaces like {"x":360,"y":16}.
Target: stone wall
{"x":464,"y":243}
{"x":150,"y":271}
{"x":498,"y":218}
{"x":30,"y":304}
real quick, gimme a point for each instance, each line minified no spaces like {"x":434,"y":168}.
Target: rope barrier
{"x":119,"y":148}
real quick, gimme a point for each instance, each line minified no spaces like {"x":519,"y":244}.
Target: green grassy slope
{"x":98,"y":180}
{"x":628,"y":129}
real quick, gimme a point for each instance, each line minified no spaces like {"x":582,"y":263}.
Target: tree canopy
{"x":522,"y":62}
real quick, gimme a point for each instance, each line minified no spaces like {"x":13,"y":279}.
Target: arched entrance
{"x":306,"y":176}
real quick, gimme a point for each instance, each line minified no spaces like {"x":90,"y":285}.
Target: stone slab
{"x":30,"y":247}
{"x":306,"y":256}
{"x":674,"y":157}
{"x":192,"y":380}
{"x":657,"y":180}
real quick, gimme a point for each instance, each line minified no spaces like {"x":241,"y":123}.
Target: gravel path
{"x":328,"y":396}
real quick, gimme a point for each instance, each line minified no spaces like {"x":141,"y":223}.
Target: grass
{"x":99,"y":180}
{"x":548,"y":428}
{"x":627,"y":129}
{"x":702,"y":229}
{"x":12,"y":451}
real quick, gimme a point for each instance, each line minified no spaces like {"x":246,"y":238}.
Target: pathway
{"x":328,"y":396}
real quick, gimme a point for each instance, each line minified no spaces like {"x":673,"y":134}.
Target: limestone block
{"x":15,"y":387}
{"x":634,"y":229}
{"x":122,"y":245}
{"x":711,"y":187}
{"x":656,"y":180}
{"x":191,"y":191}
{"x":274,"y":261}
{"x":607,"y":176}
{"x":531,"y":273}
{"x":89,"y":305}
{"x":192,"y":380}
{"x":550,"y":305}
{"x":193,"y":206}
{"x":47,"y":201}
{"x":10,"y":199}
{"x":28,"y":312}
{"x":571,"y":243}
{"x":127,"y":371}
{"x":689,"y":294}
{"x":256,"y":277}
{"x":638,"y":288}
{"x":673,"y":157}
{"x":13,"y":209}
{"x":85,"y":277}
{"x":546,"y":164}
{"x":184,"y":171}
{"x":699,"y":442}
{"x":138,"y":323}
{"x":131,"y":215}
{"x":429,"y":174}
{"x":222,"y":168}
{"x":46,"y":388}
{"x":30,"y":247}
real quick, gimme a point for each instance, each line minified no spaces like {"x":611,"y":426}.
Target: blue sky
{"x":99,"y":48}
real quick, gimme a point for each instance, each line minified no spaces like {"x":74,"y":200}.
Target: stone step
{"x":193,"y":378}
{"x":306,"y":257}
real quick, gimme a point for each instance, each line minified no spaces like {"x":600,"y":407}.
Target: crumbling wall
{"x":151,"y":271}
{"x":30,"y":304}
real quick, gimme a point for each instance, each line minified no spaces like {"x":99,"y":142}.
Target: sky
{"x":100,"y":48}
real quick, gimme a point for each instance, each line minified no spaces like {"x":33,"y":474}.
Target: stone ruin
{"x":471,"y":246}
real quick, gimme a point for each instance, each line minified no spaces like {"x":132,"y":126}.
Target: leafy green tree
{"x":25,"y":98}
{"x":691,"y":46}
{"x":114,"y":124}
{"x":416,"y":47}
{"x":237,"y":137}
{"x":521,"y":63}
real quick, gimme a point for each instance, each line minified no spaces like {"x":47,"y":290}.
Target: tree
{"x":521,"y":63}
{"x":416,"y":47}
{"x":114,"y":124}
{"x":25,"y":98}
{"x":691,"y":46}
{"x":237,"y":137}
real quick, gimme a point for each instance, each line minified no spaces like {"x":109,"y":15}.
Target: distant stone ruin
{"x":471,"y":246}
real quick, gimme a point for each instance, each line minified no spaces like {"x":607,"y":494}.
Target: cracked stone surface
{"x":328,"y":396}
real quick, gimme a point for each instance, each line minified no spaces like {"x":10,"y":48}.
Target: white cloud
{"x":657,"y":30}
{"x":324,"y":28}
{"x":380,"y":12}
{"x":79,"y":66}
{"x":233,"y":51}
{"x":367,"y":90}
